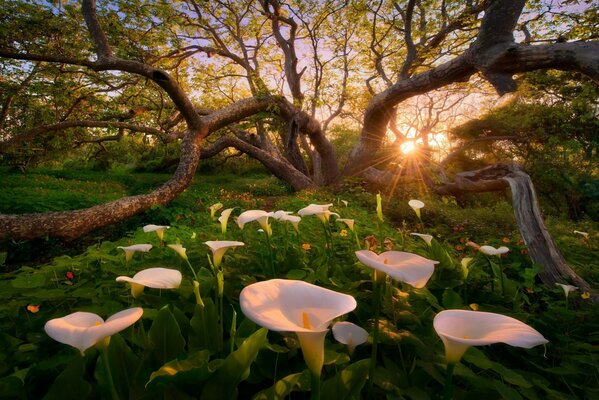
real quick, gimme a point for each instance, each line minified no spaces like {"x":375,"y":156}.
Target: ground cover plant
{"x":180,"y":339}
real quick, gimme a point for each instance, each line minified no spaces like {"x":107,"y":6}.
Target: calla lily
{"x":349,"y":334}
{"x":345,"y":203}
{"x":83,"y":329}
{"x":567,"y":288}
{"x":214,"y":208}
{"x":293,"y":219}
{"x":348,"y":222}
{"x":465,"y":263}
{"x":492,"y":251}
{"x":219,"y":247}
{"x":416,"y":206}
{"x":255,"y":215}
{"x":130,"y":250}
{"x":460,"y":329}
{"x":156,"y":278}
{"x":159,"y":229}
{"x":401,"y":266}
{"x":224,"y":218}
{"x":379,"y":207}
{"x":280,"y":214}
{"x":296,"y":306}
{"x":583,"y":234}
{"x":320,"y":210}
{"x":182,"y":251}
{"x":427,"y":238}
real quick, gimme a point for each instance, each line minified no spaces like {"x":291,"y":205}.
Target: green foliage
{"x":178,"y":349}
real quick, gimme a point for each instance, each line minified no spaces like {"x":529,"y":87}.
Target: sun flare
{"x":407,"y":147}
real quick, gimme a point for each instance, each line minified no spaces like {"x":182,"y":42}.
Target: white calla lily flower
{"x":296,"y":306}
{"x":293,"y":219}
{"x":460,"y":329}
{"x":82,"y":330}
{"x":427,"y":238}
{"x":280,"y":214}
{"x":583,"y":234}
{"x":156,"y":278}
{"x":348,"y":222}
{"x":416,"y":206}
{"x":224,"y":218}
{"x":255,"y":215}
{"x":567,"y":288}
{"x":320,"y":210}
{"x":219,"y":248}
{"x":159,"y":229}
{"x":401,"y":266}
{"x":214,"y":208}
{"x":182,"y":251}
{"x":130,"y":250}
{"x":349,"y":334}
{"x":492,"y":251}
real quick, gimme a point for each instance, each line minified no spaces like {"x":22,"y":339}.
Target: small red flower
{"x":505,"y":240}
{"x":524,"y":252}
{"x":70,"y":275}
{"x":459,"y":247}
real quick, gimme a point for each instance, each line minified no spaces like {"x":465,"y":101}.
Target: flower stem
{"x":448,"y":391}
{"x":113,"y":393}
{"x":195,"y":276}
{"x":270,"y":256}
{"x":315,"y":386}
{"x":375,"y":331}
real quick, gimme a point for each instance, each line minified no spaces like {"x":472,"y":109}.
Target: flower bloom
{"x":156,"y":278}
{"x":585,"y":295}
{"x":255,"y":215}
{"x":379,"y":207}
{"x":567,"y":288}
{"x":465,"y":263}
{"x":33,"y":308}
{"x":214,"y":208}
{"x":460,"y":329}
{"x":427,"y":238}
{"x":296,"y":306}
{"x":182,"y":251}
{"x":69,"y":275}
{"x":416,"y":206}
{"x":159,"y":229}
{"x":401,"y":266}
{"x":320,"y":210}
{"x":83,"y":329}
{"x":224,"y":218}
{"x":293,"y":219}
{"x":220,"y":247}
{"x":279,"y":214}
{"x":583,"y":234}
{"x":130,"y":250}
{"x":349,"y":334}
{"x":492,"y":251}
{"x":475,"y":246}
{"x":348,"y":222}
{"x":306,"y":246}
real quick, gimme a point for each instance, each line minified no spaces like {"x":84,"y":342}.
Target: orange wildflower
{"x":33,"y":308}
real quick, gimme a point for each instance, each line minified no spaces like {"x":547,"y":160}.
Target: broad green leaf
{"x":205,"y":330}
{"x":165,"y":337}
{"x":236,"y":368}
{"x":70,"y":383}
{"x":348,"y":383}
{"x":296,"y":274}
{"x":123,"y":367}
{"x":283,"y":387}
{"x":438,"y":253}
{"x":479,"y":359}
{"x":451,"y":300}
{"x":29,"y":281}
{"x":193,"y":369}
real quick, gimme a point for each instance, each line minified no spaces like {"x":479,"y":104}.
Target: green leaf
{"x":205,"y":329}
{"x":70,"y":384}
{"x":348,"y":383}
{"x":236,"y":368}
{"x":165,"y":337}
{"x":193,"y":369}
{"x":438,"y":253}
{"x":479,"y":359}
{"x":123,"y":367}
{"x":29,"y":281}
{"x":451,"y":299}
{"x":283,"y":387}
{"x":296,"y":274}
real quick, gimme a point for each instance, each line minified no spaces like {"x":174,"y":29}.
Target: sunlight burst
{"x":407,"y":147}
